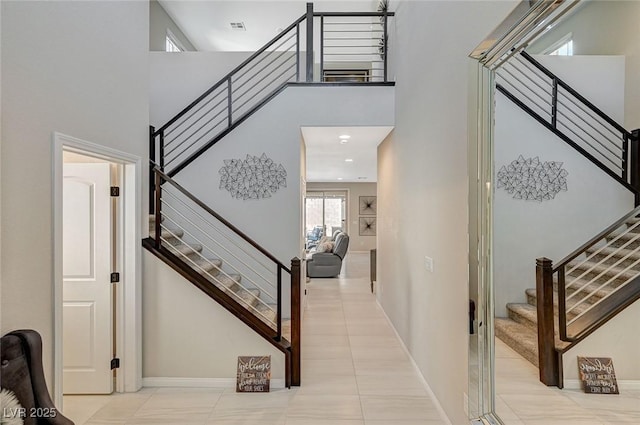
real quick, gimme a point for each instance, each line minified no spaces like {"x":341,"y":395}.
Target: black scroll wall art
{"x":252,"y":178}
{"x":532,"y":180}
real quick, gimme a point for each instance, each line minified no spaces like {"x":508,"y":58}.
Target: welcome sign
{"x":597,"y":375}
{"x":254,"y":374}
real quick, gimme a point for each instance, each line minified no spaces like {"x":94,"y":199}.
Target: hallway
{"x":355,"y":372}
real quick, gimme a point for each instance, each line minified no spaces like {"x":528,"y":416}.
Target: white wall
{"x":356,"y":242}
{"x":79,"y":68}
{"x":605,"y":28}
{"x":617,"y":340}
{"x":159,"y":23}
{"x":176,"y":80}
{"x":526,"y":230}
{"x":422,"y":189}
{"x":188,"y":335}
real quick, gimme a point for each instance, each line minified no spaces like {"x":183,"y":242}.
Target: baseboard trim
{"x":430,"y":392}
{"x":575,"y":384}
{"x":163,"y":382}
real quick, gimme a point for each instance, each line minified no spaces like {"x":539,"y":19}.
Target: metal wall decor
{"x":368,"y":205}
{"x":367,"y":226}
{"x":252,"y":178}
{"x":532,"y":180}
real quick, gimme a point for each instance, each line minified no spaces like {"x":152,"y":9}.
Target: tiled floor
{"x":522,"y":400}
{"x":354,"y":373}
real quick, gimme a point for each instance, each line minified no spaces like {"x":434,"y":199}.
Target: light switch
{"x":428,"y":264}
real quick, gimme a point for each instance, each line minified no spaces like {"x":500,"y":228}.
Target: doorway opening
{"x":97,"y":329}
{"x":325,"y":213}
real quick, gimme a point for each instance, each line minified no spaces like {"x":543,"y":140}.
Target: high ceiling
{"x":207,"y":25}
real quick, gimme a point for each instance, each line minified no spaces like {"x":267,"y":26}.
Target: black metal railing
{"x":220,"y":252}
{"x":285,"y":60}
{"x":593,"y":284}
{"x":569,"y":115}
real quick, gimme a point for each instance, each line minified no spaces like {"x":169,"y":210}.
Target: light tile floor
{"x":522,"y":400}
{"x":354,"y":372}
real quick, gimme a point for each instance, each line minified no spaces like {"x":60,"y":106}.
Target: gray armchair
{"x":328,"y":264}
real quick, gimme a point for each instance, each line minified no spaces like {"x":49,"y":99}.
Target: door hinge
{"x":115,"y":277}
{"x":115,"y":363}
{"x":115,"y":191}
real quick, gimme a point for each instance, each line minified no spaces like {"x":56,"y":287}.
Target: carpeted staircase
{"x":213,"y":269}
{"x":603,"y":268}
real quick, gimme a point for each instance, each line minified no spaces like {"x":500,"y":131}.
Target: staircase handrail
{"x":230,"y":74}
{"x":622,"y":166}
{"x":575,"y":94}
{"x":229,"y":225}
{"x":591,"y":242}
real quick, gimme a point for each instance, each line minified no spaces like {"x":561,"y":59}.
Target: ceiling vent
{"x":238,"y":26}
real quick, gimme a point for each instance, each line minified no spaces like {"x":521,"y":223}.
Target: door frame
{"x":527,"y":21}
{"x":129,"y":253}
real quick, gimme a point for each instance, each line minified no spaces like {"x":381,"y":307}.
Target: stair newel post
{"x":279,"y":304}
{"x":152,"y":159}
{"x":296,"y":310}
{"x":158,"y":213}
{"x":547,"y":357}
{"x":634,"y":163}
{"x":322,"y":48}
{"x":298,"y":53}
{"x":161,"y":149}
{"x":309,"y":65}
{"x":562,"y":304}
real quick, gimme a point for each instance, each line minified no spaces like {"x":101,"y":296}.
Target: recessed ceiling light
{"x":339,"y":178}
{"x":348,"y":160}
{"x":344,"y":136}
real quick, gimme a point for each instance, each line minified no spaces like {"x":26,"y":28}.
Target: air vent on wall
{"x":238,"y":26}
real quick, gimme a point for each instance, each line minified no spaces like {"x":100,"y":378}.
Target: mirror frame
{"x":528,"y":21}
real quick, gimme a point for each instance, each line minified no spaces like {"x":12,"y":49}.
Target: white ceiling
{"x":207,"y":23}
{"x":326,"y":155}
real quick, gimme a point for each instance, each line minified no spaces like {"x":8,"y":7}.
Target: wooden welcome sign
{"x":597,"y":375}
{"x":254,"y":374}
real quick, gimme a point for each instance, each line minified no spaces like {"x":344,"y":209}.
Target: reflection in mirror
{"x":563,"y":148}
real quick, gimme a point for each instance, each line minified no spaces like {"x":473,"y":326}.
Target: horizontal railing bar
{"x":265,"y":56}
{"x":230,"y":74}
{"x":600,"y":153}
{"x":175,"y":127}
{"x":547,"y":90}
{"x":350,"y":31}
{"x":350,"y":38}
{"x":211,"y":237}
{"x":566,"y":139}
{"x":595,"y":239}
{"x":542,"y":107}
{"x":262,"y":69}
{"x":199,"y":138}
{"x":617,"y":135}
{"x":353,"y":14}
{"x":616,"y":251}
{"x":221,"y":219}
{"x":350,"y":46}
{"x":351,"y":54}
{"x":610,"y":142}
{"x":577,"y":95}
{"x":196,"y":121}
{"x":228,"y":263}
{"x":266,"y":86}
{"x":546,"y":101}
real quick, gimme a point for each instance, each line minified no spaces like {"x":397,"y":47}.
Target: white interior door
{"x":87,"y":300}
